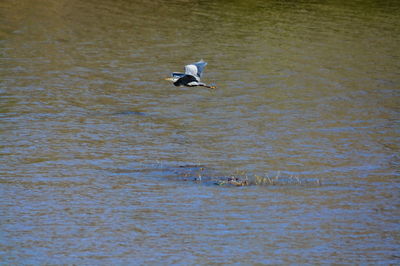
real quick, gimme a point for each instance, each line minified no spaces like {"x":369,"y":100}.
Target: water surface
{"x":99,"y":152}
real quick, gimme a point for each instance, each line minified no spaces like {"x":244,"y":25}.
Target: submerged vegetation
{"x":201,"y":174}
{"x":267,"y":181}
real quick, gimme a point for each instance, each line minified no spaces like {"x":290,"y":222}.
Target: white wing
{"x":195,"y":69}
{"x":192,"y":70}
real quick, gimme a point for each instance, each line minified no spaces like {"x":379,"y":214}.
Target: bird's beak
{"x":169,"y":79}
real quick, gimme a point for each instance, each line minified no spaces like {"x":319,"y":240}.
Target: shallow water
{"x":99,"y":152}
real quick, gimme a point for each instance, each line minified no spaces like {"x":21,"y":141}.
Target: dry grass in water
{"x":242,"y":179}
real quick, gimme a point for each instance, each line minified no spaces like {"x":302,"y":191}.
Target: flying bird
{"x":191,"y":77}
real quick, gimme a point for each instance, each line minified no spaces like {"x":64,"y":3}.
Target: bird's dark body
{"x":183,"y":81}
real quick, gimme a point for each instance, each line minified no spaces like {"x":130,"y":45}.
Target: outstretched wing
{"x":200,"y":67}
{"x":195,"y":69}
{"x":177,"y":75}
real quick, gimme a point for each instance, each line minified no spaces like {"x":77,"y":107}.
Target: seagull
{"x":191,"y":77}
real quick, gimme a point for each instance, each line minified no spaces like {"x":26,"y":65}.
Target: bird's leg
{"x":207,"y":86}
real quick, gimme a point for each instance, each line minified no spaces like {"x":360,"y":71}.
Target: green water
{"x":93,"y":138}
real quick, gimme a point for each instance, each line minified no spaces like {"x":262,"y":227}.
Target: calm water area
{"x":101,"y":157}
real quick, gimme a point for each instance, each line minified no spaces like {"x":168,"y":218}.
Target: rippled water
{"x":99,"y":152}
